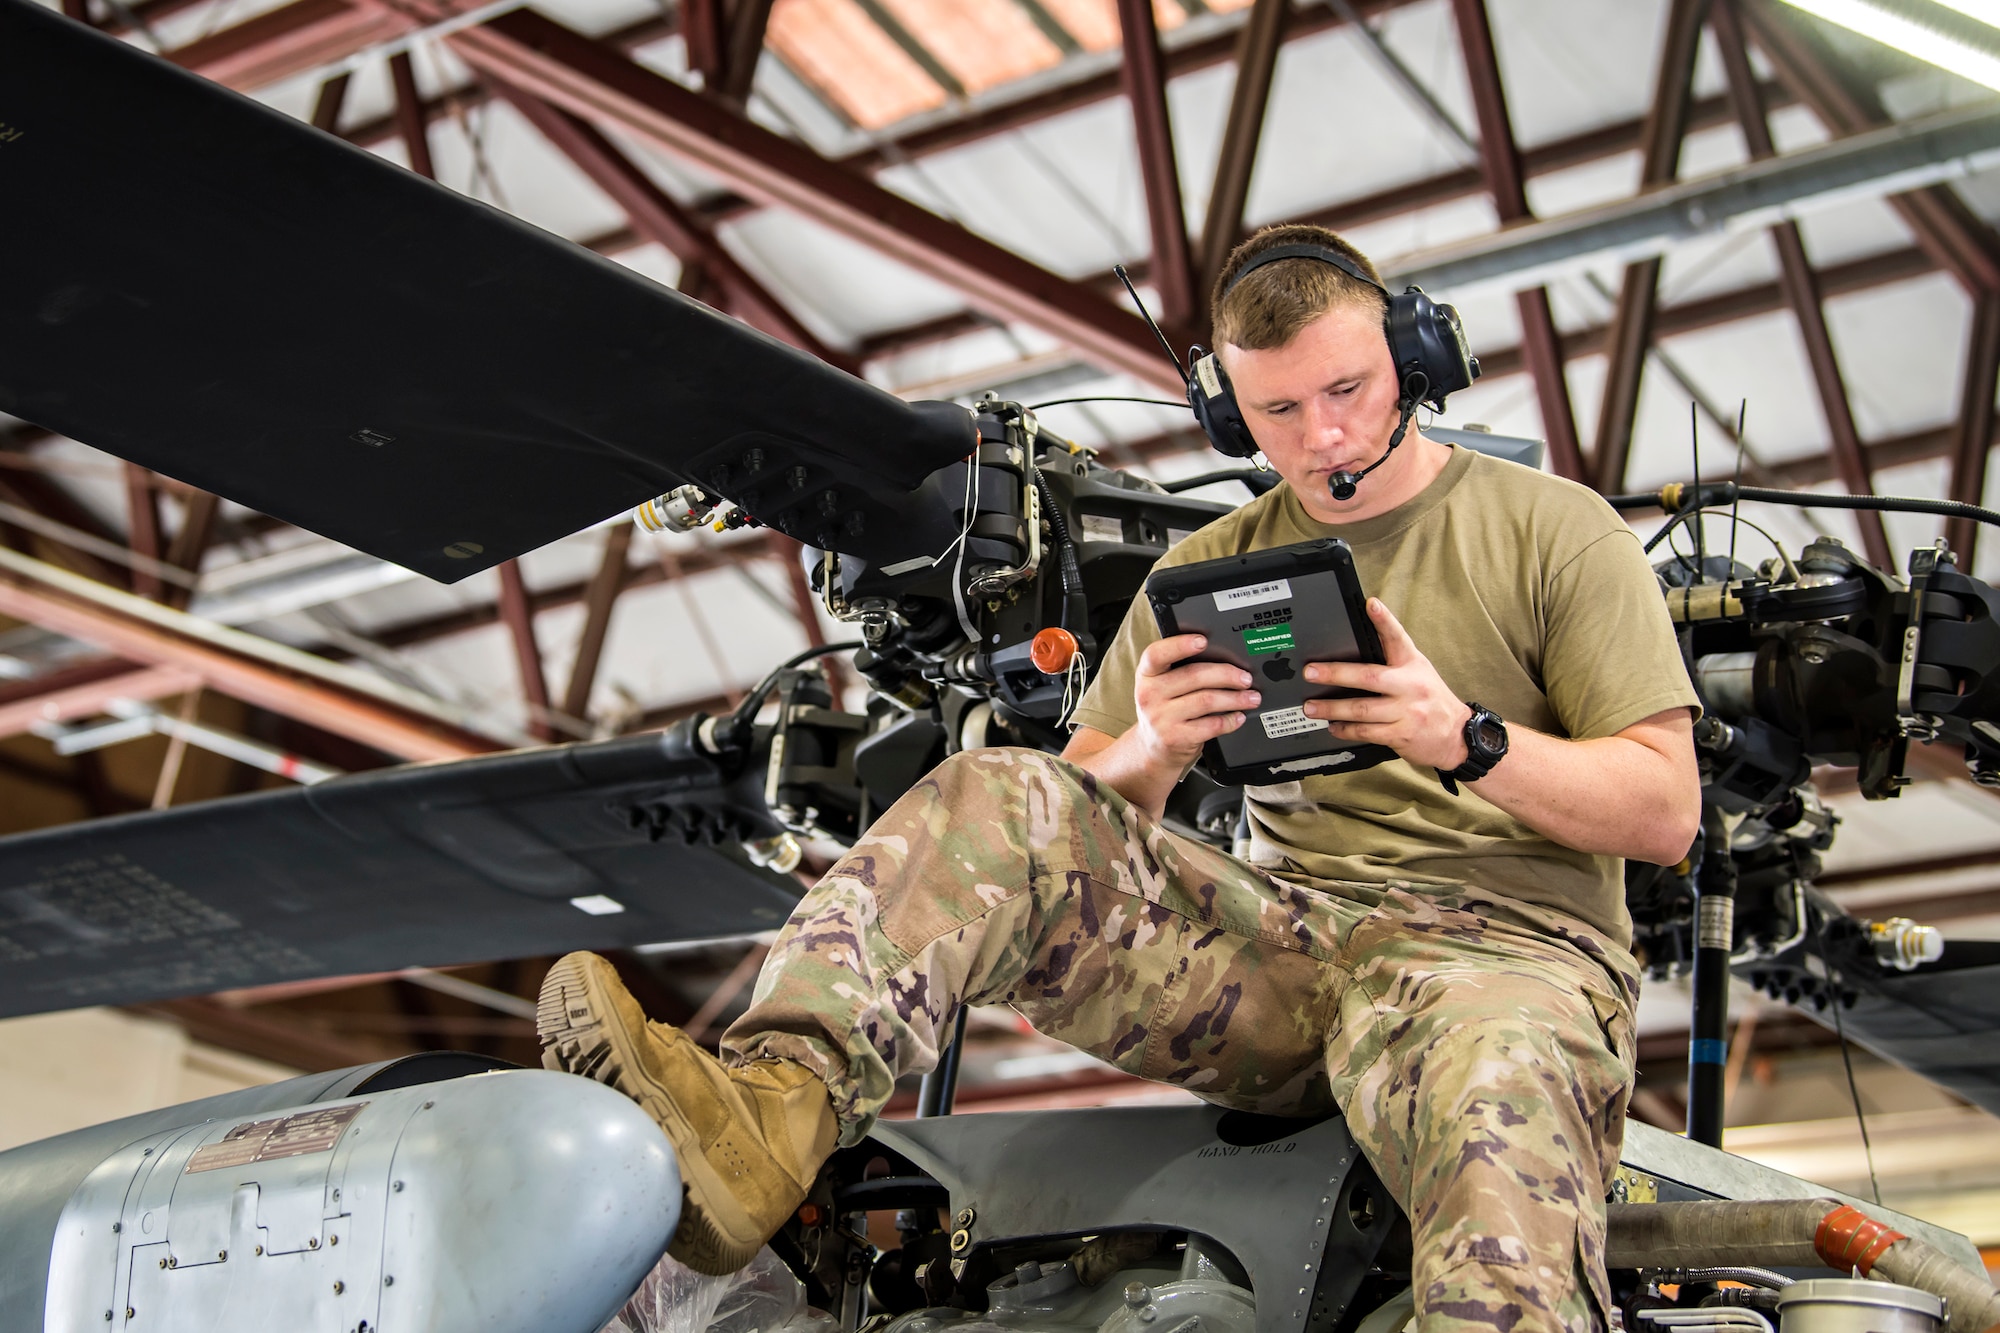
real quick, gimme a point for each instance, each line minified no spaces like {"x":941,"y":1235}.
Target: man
{"x":1448,"y":969}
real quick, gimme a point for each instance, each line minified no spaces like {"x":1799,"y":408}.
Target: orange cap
{"x":1053,"y":650}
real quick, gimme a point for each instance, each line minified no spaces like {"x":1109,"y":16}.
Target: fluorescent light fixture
{"x":597,"y":904}
{"x":1891,"y":24}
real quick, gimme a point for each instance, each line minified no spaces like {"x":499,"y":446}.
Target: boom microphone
{"x":1343,"y":483}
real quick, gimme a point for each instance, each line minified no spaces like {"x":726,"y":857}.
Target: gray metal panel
{"x":1725,"y":1176}
{"x":501,"y":1203}
{"x":1513,"y":448}
{"x":1071,"y":1172}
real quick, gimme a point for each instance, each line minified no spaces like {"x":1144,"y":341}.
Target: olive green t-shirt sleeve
{"x":1610,"y":658}
{"x":1107,"y":705}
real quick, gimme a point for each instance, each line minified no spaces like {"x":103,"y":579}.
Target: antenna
{"x":1736,"y":497}
{"x":1172,"y":356}
{"x":1700,"y":544}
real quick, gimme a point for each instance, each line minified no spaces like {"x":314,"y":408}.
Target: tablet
{"x":1271,"y":612}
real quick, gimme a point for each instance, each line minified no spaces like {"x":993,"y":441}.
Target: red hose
{"x":1849,"y":1239}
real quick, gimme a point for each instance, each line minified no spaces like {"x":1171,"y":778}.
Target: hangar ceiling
{"x":932,"y":193}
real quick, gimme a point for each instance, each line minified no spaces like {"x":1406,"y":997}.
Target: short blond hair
{"x":1268,"y":308}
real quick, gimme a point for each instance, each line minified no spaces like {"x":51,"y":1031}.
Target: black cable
{"x":1105,"y":398}
{"x":1847,"y":1060}
{"x":1716,"y":494}
{"x":1259,"y":480}
{"x":746,"y":712}
{"x":1072,"y":577}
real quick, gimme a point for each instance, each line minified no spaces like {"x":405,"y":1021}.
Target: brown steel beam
{"x":318,"y":702}
{"x":1152,"y":125}
{"x":520,"y":622}
{"x":44,"y":497}
{"x":703,"y":27}
{"x":327,"y":105}
{"x":70,"y":696}
{"x":599,"y":598}
{"x":747,"y":21}
{"x":1945,"y":227}
{"x":1802,"y":292}
{"x":595,"y":83}
{"x":1638,"y":298}
{"x":268,"y":1036}
{"x":142,"y":508}
{"x":410,"y":115}
{"x":1974,"y":428}
{"x":699,"y":559}
{"x":1256,"y":62}
{"x":191,"y":540}
{"x":1500,"y":159}
{"x":301,"y":36}
{"x":657,"y":217}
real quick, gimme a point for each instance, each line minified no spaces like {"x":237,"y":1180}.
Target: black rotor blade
{"x":195,"y":282}
{"x":1941,"y":1021}
{"x":504,"y":856}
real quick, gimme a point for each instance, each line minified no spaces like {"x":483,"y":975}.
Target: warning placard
{"x":269,"y":1140}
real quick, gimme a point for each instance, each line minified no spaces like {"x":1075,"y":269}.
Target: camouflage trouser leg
{"x":1483,"y":1058}
{"x":1445,"y":1028}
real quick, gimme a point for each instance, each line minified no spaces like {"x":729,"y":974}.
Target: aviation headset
{"x":1426,"y":343}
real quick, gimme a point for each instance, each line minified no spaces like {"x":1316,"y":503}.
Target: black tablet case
{"x":1271,"y":612}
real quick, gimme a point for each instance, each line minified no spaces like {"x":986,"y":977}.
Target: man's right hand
{"x":1184,"y":705}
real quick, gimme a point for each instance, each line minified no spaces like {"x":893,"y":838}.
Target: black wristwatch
{"x":1485,"y":746}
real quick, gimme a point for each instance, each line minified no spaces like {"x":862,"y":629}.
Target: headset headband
{"x":1303,"y":251}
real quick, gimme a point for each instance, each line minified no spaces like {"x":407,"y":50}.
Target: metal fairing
{"x":1283,"y":1196}
{"x":278,"y":331}
{"x":425,"y":865}
{"x":516,"y":1200}
{"x":1682,"y":1169}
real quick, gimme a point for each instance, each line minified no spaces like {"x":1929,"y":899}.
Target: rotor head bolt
{"x":961,"y":1241}
{"x":1137,"y":1294}
{"x":966,"y":1216}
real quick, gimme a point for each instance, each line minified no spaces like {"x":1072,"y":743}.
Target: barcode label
{"x":1277,"y":590}
{"x":1282,"y":722}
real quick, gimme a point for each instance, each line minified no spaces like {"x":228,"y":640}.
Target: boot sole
{"x":580,"y":1035}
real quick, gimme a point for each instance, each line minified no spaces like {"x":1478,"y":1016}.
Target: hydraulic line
{"x":1796,"y":1233}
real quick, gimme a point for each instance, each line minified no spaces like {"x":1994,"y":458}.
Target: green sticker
{"x":1268,"y":638}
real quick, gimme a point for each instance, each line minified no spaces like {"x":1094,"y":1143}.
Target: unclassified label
{"x":1268,"y":638}
{"x":1281,"y":722}
{"x":1253,"y":594}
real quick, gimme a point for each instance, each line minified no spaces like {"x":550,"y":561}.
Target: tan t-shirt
{"x":1531,"y":596}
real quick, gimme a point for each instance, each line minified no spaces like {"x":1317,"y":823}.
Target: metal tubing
{"x":1945,"y":146}
{"x":1715,"y":937}
{"x":940,"y":1086}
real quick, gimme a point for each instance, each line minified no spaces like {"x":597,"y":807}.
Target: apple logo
{"x":1279,"y":669}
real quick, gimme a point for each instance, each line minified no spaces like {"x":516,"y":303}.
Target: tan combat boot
{"x":749,"y":1139}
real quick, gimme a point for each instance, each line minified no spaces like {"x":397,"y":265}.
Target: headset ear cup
{"x":1425,"y":339}
{"x":1214,"y":402}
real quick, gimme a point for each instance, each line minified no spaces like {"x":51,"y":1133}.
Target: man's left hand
{"x":1415,"y":713}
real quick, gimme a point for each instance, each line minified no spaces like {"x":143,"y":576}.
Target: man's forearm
{"x":1613,"y":796}
{"x":1120,"y":763}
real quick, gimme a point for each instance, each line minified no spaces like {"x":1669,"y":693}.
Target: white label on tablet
{"x":1280,"y":722}
{"x":1277,"y":590}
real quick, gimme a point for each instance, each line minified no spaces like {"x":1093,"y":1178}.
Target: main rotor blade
{"x":1941,"y":1021}
{"x":200,"y":284}
{"x":503,"y":856}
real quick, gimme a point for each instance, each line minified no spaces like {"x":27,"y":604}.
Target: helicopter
{"x":951,"y":539}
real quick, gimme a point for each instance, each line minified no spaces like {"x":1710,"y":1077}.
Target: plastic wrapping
{"x":761,"y":1297}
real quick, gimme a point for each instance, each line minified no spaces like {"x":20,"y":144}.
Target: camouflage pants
{"x":1481,"y":1051}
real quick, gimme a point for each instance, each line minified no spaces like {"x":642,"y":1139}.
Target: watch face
{"x":1491,"y":735}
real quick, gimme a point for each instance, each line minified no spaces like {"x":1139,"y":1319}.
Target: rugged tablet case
{"x":1270,"y":612}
